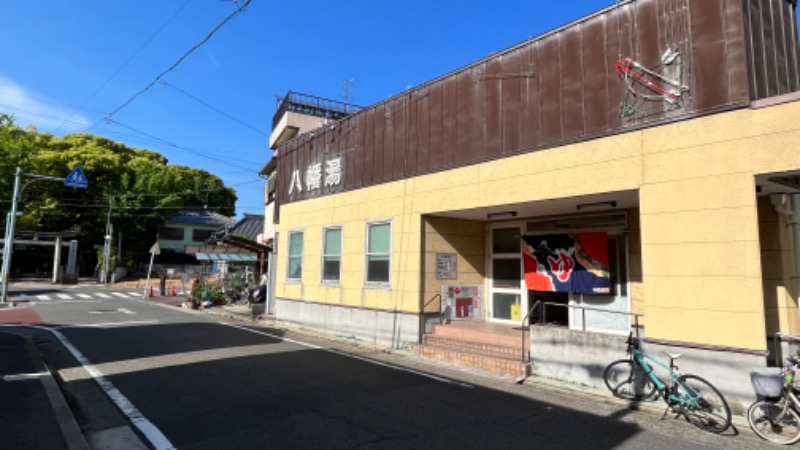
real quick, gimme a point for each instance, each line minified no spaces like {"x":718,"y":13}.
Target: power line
{"x":125,"y":64}
{"x":164,"y":83}
{"x":150,"y":139}
{"x":180,"y":60}
{"x":180,"y":147}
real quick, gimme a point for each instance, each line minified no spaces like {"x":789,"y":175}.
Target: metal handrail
{"x":543,"y":310}
{"x":431,"y":300}
{"x":777,"y":344}
{"x":522,"y":325}
{"x":591,"y":308}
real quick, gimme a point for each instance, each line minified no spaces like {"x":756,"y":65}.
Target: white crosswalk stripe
{"x":84,"y":295}
{"x":102,"y":295}
{"x":119,"y":294}
{"x":64,"y":296}
{"x":43,"y":297}
{"x":134,"y":294}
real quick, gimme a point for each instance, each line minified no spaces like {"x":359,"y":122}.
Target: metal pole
{"x":9,"y":242}
{"x":147,"y":283}
{"x":107,"y":244}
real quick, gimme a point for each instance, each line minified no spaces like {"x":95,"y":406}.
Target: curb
{"x":73,"y":437}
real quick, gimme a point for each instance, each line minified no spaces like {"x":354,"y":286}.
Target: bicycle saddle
{"x":673,"y":355}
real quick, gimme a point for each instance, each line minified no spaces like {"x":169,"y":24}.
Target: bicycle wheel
{"x":627,"y":381}
{"x":702,"y":404}
{"x":766,"y":420}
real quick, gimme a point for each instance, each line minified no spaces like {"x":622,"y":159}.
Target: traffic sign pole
{"x":8,"y":245}
{"x":75,"y":179}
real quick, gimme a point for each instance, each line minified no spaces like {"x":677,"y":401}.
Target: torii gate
{"x":57,"y":240}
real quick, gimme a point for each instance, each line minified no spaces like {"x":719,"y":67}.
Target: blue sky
{"x":67,"y":64}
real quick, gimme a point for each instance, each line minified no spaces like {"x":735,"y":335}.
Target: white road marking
{"x":101,"y":295}
{"x":134,"y":295}
{"x":23,"y":376}
{"x":43,"y":297}
{"x":77,"y":301}
{"x":109,"y":324}
{"x":350,"y":355}
{"x":84,"y":295}
{"x":119,"y":294}
{"x":64,"y":296}
{"x":126,"y":311}
{"x":148,"y":430}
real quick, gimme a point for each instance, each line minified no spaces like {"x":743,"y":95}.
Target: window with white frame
{"x":331,"y":254}
{"x":379,"y":252}
{"x":294,"y":266}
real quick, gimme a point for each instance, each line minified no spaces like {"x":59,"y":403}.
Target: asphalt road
{"x":190,"y":381}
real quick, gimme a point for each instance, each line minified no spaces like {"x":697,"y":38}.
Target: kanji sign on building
{"x":315,"y":177}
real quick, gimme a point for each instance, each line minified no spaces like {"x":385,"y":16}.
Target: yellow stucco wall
{"x":466,"y":239}
{"x":352,"y":211}
{"x":700,"y":241}
{"x":700,"y":251}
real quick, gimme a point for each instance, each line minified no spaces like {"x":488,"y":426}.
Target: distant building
{"x":187,"y":228}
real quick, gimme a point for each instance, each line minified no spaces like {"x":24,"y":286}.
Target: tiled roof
{"x":249,"y":227}
{"x":200,"y":217}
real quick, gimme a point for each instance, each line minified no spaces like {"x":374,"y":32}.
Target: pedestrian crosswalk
{"x":61,"y":296}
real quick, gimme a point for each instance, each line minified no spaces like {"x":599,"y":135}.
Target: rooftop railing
{"x":312,"y":106}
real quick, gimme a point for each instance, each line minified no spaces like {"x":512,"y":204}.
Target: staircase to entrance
{"x":488,"y":346}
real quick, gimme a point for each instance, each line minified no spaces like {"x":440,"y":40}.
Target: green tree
{"x":141,"y":186}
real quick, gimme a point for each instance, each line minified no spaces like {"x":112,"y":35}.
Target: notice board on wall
{"x":446,"y":266}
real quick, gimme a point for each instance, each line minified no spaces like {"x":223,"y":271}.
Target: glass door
{"x":507,"y":304}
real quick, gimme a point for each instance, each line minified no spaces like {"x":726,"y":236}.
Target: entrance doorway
{"x":510,"y":300}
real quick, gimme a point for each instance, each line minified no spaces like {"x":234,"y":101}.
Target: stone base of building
{"x":580,"y":358}
{"x":361,"y":325}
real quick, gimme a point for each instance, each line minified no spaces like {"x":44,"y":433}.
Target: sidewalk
{"x":40,"y":416}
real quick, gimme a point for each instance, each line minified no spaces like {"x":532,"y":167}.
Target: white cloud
{"x":31,"y":108}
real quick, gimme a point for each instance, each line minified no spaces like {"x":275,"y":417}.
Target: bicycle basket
{"x":767,"y":381}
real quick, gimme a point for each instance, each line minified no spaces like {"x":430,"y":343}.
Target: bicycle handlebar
{"x":632,"y":342}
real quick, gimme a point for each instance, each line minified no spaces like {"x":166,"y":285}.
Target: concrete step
{"x":505,"y":366}
{"x":478,"y":335}
{"x":515,"y":352}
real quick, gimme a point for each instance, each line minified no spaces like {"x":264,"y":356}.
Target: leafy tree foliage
{"x":140,"y":186}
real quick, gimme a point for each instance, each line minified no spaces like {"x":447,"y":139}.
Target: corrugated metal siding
{"x":772,"y":48}
{"x":561,"y":87}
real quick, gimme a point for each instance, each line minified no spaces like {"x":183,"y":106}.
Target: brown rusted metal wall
{"x":771,"y":34}
{"x":558,"y":88}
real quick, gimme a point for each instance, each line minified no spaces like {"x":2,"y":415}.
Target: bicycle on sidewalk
{"x":697,"y":400}
{"x":775,"y":416}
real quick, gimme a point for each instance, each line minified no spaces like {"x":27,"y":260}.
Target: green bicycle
{"x":697,"y":400}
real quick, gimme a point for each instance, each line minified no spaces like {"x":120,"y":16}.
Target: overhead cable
{"x":164,"y":83}
{"x":125,"y":64}
{"x":180,"y":60}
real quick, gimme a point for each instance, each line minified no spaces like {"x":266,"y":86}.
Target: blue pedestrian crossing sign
{"x":76,"y":179}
